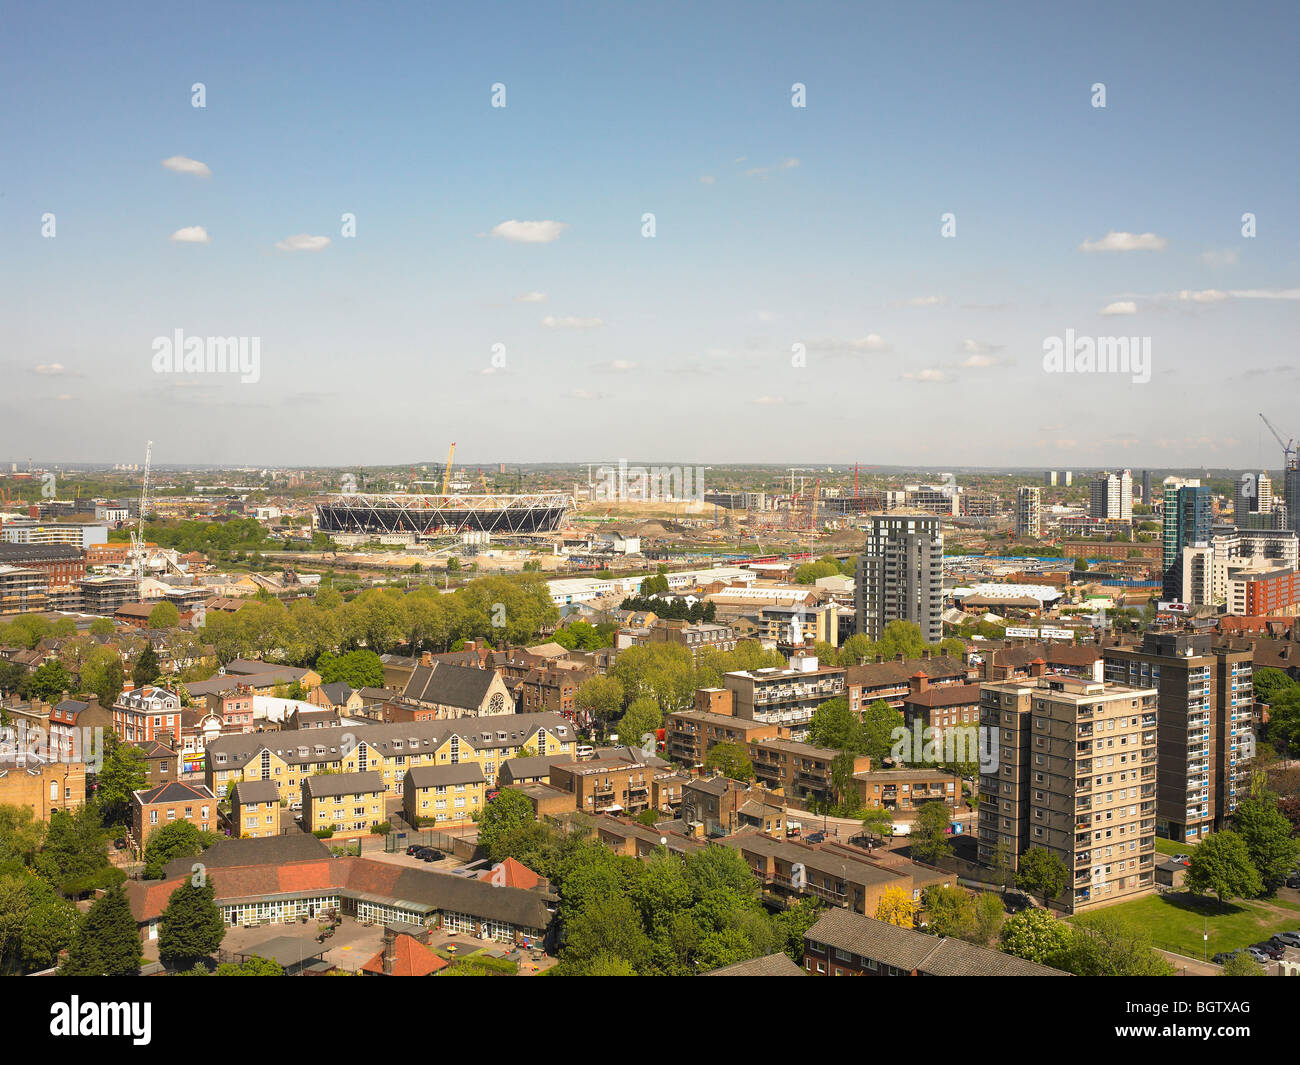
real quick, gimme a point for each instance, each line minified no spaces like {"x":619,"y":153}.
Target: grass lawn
{"x":1177,"y":920}
{"x":1173,"y":846}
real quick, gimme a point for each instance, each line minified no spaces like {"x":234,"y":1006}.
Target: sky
{"x":798,"y":299}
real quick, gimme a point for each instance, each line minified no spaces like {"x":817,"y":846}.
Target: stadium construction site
{"x":441,"y":515}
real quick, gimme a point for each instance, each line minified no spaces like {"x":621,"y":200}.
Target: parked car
{"x":1225,"y":956}
{"x":815,"y":837}
{"x":1273,"y":950}
{"x":1293,"y":881}
{"x":414,"y":848}
{"x":1259,"y":955}
{"x":429,"y":854}
{"x":1182,"y":859}
{"x":1288,"y":939}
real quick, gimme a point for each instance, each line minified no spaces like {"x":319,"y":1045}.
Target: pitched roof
{"x":256,"y":791}
{"x":174,"y":791}
{"x":410,"y":958}
{"x":342,"y":783}
{"x":449,"y":685}
{"x":511,"y":873}
{"x":945,"y":695}
{"x":772,"y":965}
{"x":272,"y":850}
{"x":435,"y":776}
{"x":879,"y":674}
{"x":909,"y":950}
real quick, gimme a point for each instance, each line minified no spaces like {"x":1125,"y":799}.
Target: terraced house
{"x":346,"y":804}
{"x":291,"y":756}
{"x":444,"y":794}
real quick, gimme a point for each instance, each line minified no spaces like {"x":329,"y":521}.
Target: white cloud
{"x":707,"y":179}
{"x":191,"y":235}
{"x":570,"y":322}
{"x":1119,"y":241}
{"x":1209,"y":295}
{"x":766,"y":316}
{"x":50,"y":369}
{"x":1265,"y":293}
{"x":303,"y":242}
{"x":529,"y":232}
{"x":531,"y":297}
{"x":768,"y":401}
{"x":978,"y":362}
{"x":183,"y":164}
{"x":979,"y":347}
{"x":923,"y":301}
{"x":930,"y":376}
{"x":1219,"y":257}
{"x":1120,"y":307}
{"x":616,"y":365}
{"x":764,"y":171}
{"x":870,"y":343}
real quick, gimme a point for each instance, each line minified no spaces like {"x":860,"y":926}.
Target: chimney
{"x":900,"y":657}
{"x":390,"y":950}
{"x":1037,"y":667}
{"x":926,"y":653}
{"x":989,"y":660}
{"x":918,"y":682}
{"x":426,"y":658}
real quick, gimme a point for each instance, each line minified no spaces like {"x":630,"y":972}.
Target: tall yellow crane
{"x":446,"y":477}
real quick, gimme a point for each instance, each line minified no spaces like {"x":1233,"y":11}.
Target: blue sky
{"x":775,"y":226}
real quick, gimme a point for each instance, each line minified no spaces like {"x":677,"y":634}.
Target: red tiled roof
{"x":511,"y":873}
{"x":410,"y":958}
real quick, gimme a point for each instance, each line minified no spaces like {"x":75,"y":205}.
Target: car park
{"x":430,"y":854}
{"x":414,"y":848}
{"x":1272,"y":950}
{"x":1259,"y":955}
{"x":1287,"y":939}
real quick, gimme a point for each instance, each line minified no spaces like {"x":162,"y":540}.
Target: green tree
{"x":107,"y":942}
{"x":253,"y":965}
{"x":145,"y":670}
{"x":1042,"y":873}
{"x":880,"y":723}
{"x":179,"y":839}
{"x":1239,"y":963}
{"x":878,"y":822}
{"x":102,"y":627}
{"x":1220,"y":864}
{"x":601,"y":697}
{"x":164,"y":616}
{"x":1035,"y":935}
{"x":49,"y":681}
{"x":856,"y":650}
{"x":951,"y":912}
{"x":989,"y":915}
{"x":192,"y":928}
{"x":1267,"y":835}
{"x":102,"y":674}
{"x":929,"y":838}
{"x":1103,"y":944}
{"x":730,"y":759}
{"x":509,"y":810}
{"x":836,"y":727}
{"x":125,"y":770}
{"x":642,"y":718}
{"x":847,"y":800}
{"x":358,"y":669}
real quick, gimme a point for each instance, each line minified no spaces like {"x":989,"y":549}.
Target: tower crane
{"x":1288,"y":446}
{"x":137,"y":535}
{"x":446,"y":477}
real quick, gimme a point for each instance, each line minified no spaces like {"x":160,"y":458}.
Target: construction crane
{"x":1288,"y":446}
{"x":483,"y":477}
{"x":446,"y":477}
{"x":137,"y":535}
